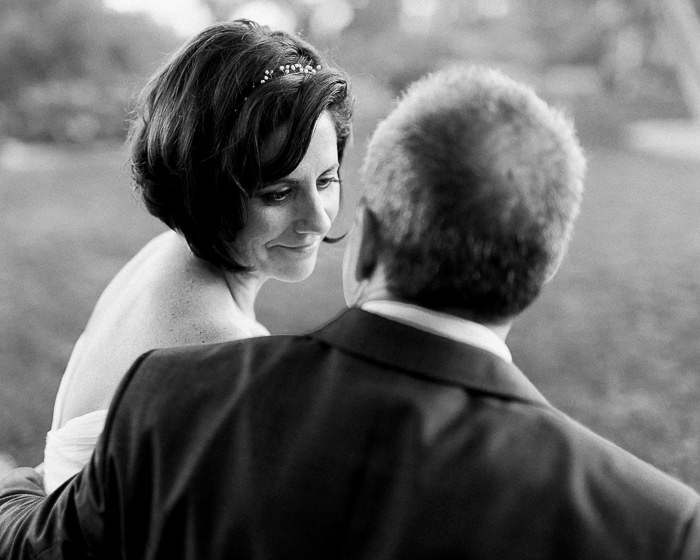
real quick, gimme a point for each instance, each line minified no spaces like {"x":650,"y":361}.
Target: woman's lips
{"x":303,"y":248}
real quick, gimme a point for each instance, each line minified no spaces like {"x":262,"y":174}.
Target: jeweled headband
{"x":290,"y":69}
{"x":281,"y":71}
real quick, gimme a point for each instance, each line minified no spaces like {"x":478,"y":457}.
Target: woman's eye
{"x":325,"y":182}
{"x":275,"y":196}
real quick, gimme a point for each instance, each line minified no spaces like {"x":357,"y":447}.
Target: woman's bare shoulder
{"x":201,"y":325}
{"x":190,"y":301}
{"x":100,"y":361}
{"x":163,"y":297}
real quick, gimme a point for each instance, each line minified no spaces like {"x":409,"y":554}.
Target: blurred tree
{"x":70,"y":67}
{"x":619,"y":40}
{"x":376,"y":17}
{"x":679,"y":28}
{"x":220,"y":10}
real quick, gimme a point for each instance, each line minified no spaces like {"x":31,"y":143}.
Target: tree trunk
{"x":680,"y":30}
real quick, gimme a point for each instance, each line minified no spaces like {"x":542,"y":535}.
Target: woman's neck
{"x":244,"y":288}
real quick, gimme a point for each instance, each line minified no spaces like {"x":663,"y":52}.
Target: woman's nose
{"x":313,"y":215}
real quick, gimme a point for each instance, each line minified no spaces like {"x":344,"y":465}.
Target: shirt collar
{"x":443,"y":324}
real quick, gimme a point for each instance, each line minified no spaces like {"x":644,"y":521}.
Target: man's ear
{"x":368,"y":252}
{"x":553,"y":267}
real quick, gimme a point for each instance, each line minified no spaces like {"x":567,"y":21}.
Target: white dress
{"x":69,"y":447}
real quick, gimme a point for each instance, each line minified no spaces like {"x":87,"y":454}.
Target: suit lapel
{"x":428,"y":355}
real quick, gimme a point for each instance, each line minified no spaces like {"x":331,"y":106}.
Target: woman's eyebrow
{"x":333,"y":167}
{"x":293,"y":181}
{"x":284,"y":181}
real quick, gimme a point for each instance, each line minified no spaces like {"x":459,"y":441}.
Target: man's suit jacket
{"x":368,"y":439}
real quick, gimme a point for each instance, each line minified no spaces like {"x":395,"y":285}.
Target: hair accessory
{"x":282,"y":70}
{"x":289,"y":69}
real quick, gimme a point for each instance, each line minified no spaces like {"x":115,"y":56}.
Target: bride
{"x":236,"y":145}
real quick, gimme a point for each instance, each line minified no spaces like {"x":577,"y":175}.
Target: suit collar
{"x":427,"y":355}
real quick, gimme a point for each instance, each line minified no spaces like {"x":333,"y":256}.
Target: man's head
{"x":472,"y":184}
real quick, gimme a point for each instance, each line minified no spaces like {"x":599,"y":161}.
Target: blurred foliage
{"x":618,"y":40}
{"x":70,"y":67}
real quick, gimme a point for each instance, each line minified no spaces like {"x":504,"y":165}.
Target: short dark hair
{"x":475,"y":182}
{"x":200,"y":127}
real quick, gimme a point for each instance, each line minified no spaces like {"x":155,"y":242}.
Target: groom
{"x":402,"y":429}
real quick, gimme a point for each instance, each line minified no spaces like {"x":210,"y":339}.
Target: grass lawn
{"x":613,"y":340}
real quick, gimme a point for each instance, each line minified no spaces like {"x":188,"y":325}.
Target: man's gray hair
{"x":475,"y":182}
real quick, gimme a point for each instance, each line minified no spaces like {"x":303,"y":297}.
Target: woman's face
{"x":289,"y":218}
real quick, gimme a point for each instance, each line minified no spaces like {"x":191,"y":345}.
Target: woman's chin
{"x":297,"y":272}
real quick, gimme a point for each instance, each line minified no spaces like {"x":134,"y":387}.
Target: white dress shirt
{"x":443,"y":324}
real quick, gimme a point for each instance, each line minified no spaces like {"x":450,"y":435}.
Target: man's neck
{"x":501,"y":329}
{"x":375,"y":289}
{"x":442,"y":324}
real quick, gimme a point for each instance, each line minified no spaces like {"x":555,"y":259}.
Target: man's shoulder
{"x":593,"y":471}
{"x":544,"y":475}
{"x":186,"y":389}
{"x":209,"y":362}
{"x":226,"y":350}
